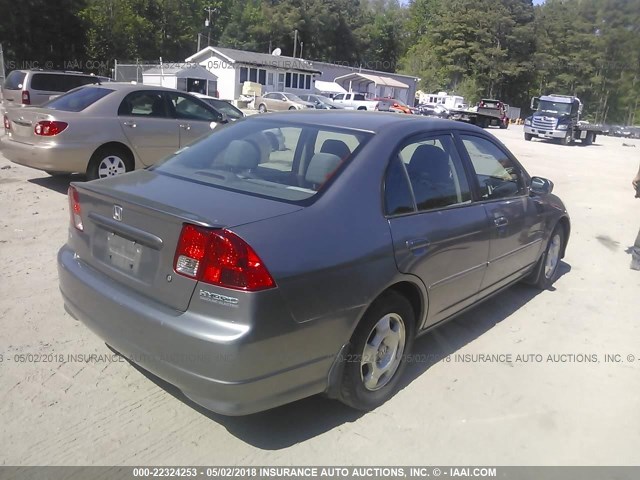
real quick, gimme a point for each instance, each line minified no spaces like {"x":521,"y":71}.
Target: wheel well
{"x":564,"y":223}
{"x":119,"y":145}
{"x":412,"y":293}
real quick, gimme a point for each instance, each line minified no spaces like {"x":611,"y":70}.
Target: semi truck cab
{"x":557,"y":117}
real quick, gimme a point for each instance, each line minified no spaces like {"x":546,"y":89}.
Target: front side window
{"x":435,"y":172}
{"x":143,"y":104}
{"x":283,"y":161}
{"x":186,"y":108}
{"x":15,"y":80}
{"x":497,"y":175}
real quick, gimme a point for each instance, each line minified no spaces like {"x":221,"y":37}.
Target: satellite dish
{"x":277,"y":52}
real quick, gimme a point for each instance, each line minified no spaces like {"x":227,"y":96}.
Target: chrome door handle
{"x":186,"y":126}
{"x":501,"y":221}
{"x":129,"y":124}
{"x":417,"y":244}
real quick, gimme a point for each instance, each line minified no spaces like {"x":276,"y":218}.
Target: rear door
{"x":439,"y":235}
{"x":143,"y":116}
{"x":192,"y":117}
{"x":517,"y":226}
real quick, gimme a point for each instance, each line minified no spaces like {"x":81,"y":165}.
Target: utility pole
{"x":295,"y":42}
{"x":207,"y":23}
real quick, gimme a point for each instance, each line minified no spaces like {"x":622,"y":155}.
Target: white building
{"x":187,"y":77}
{"x":287,"y":74}
{"x":276,"y":73}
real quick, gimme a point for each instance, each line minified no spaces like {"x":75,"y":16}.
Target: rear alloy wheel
{"x":262,"y":108}
{"x":377,"y":357}
{"x":546,"y":270}
{"x":109,"y":162}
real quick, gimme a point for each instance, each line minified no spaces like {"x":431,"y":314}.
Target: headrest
{"x":241,"y":155}
{"x":321,"y":167}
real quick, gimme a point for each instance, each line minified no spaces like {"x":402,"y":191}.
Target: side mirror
{"x":541,"y":186}
{"x":224,"y":118}
{"x":534,"y":103}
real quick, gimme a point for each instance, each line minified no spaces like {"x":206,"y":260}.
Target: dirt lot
{"x":69,"y":408}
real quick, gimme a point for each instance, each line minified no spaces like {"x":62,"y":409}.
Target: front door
{"x":193,"y":118}
{"x":439,"y":235}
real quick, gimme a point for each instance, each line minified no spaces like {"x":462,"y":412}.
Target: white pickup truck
{"x":355,"y":101}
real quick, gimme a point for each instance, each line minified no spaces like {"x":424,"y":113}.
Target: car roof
{"x":374,"y":122}
{"x":123,"y":86}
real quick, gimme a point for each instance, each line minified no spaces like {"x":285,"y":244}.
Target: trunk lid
{"x":23,"y":121}
{"x":132,"y":225}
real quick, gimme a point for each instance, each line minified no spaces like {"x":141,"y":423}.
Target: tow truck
{"x":487,"y":113}
{"x":557,"y":117}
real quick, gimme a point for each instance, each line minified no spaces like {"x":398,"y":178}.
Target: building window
{"x":280,"y":86}
{"x":270,"y":78}
{"x":288,"y":82}
{"x":295,"y":80}
{"x":262,"y":77}
{"x":253,"y":74}
{"x":308,"y":83}
{"x":243,"y":74}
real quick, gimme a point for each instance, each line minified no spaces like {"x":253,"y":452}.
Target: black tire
{"x":292,"y":108}
{"x":353,"y":389}
{"x":588,"y":140}
{"x":107,"y":156}
{"x":262,"y":108}
{"x":543,"y":277}
{"x":528,"y":137}
{"x":565,"y":140}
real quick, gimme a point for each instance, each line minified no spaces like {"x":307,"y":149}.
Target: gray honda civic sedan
{"x":250,"y":274}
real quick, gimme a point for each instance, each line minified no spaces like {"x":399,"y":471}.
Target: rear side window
{"x":284,"y":161}
{"x":358,"y":97}
{"x":79,"y":99}
{"x":435,"y":172}
{"x":15,"y":80}
{"x":143,"y":104}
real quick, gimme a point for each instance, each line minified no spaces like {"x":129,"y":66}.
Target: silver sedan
{"x":106,"y":130}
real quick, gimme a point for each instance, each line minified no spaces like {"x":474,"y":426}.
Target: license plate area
{"x":123,"y":254}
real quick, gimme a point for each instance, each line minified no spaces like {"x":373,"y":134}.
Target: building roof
{"x":331,"y":87}
{"x":357,"y":77}
{"x":184,"y":70}
{"x":254,"y":59}
{"x":359,"y":69}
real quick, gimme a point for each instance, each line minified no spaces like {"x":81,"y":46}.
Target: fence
{"x":131,"y":72}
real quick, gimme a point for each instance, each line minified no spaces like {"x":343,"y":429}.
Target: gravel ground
{"x":567,"y":406}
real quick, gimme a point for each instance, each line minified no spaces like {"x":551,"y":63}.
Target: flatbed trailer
{"x":488,"y":113}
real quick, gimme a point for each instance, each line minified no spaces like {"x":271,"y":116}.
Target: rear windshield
{"x":15,"y":80}
{"x":78,"y":100}
{"x":56,"y":82}
{"x":270,"y":158}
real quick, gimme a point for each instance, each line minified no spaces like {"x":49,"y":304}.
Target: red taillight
{"x":48,"y":128}
{"x":220,"y":257}
{"x":7,"y":123}
{"x":74,"y":208}
{"x":26,"y":98}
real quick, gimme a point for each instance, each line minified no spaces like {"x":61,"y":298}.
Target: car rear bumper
{"x":50,"y":157}
{"x":538,"y":132}
{"x":207,"y":359}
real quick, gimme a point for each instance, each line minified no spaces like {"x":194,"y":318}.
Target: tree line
{"x":509,"y":49}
